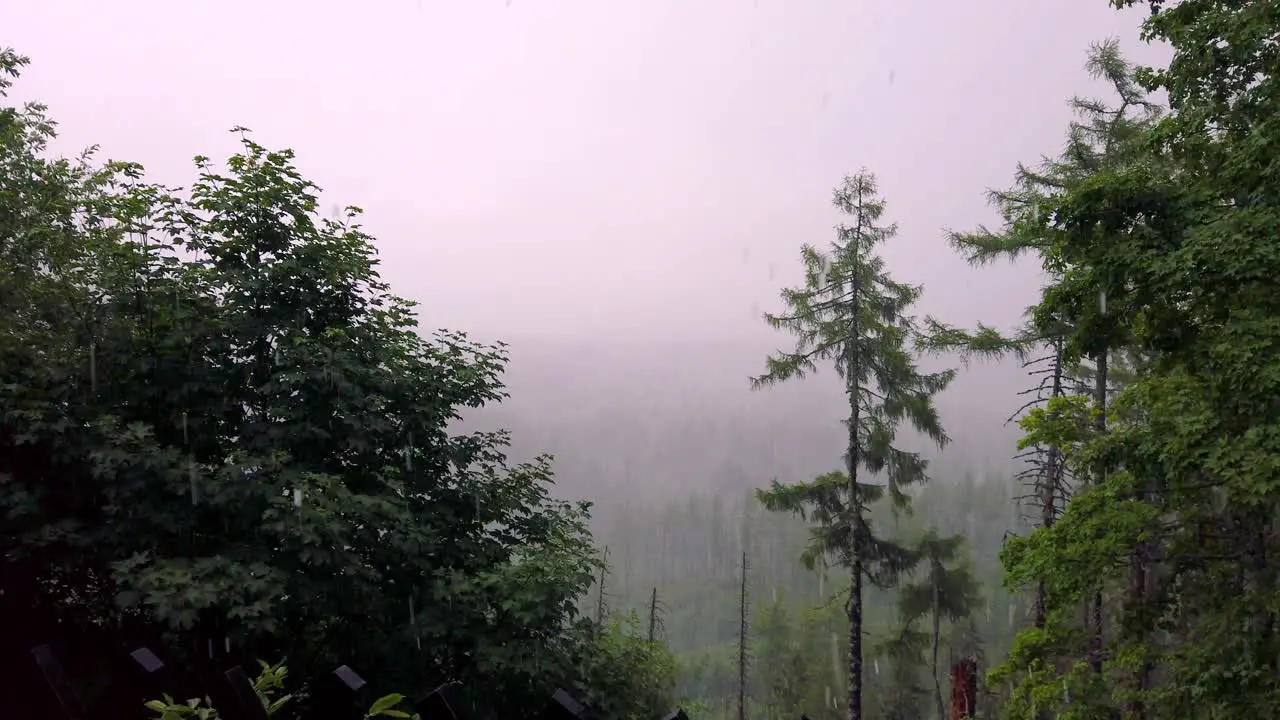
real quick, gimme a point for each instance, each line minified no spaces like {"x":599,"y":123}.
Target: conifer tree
{"x":945,"y":592}
{"x":852,"y":314}
{"x":905,"y":698}
{"x":1106,"y":136}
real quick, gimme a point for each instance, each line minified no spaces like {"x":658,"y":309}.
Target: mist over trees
{"x":224,"y":435}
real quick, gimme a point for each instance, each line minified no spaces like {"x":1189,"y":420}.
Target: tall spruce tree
{"x":852,"y":314}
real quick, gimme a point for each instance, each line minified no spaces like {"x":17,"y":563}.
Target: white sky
{"x":575,"y":168}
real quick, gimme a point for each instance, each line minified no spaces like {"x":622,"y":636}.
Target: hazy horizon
{"x":578,"y":178}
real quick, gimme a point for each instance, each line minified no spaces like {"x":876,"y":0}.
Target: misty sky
{"x":546,"y":167}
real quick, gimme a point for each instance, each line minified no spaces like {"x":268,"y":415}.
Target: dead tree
{"x":964,"y":689}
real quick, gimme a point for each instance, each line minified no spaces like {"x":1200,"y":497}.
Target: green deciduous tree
{"x":851,"y":313}
{"x":1186,"y":252}
{"x":221,"y":431}
{"x":623,"y":674}
{"x":1179,"y":240}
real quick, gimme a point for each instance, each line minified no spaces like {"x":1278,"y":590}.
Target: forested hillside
{"x":634,"y":421}
{"x":223,"y":435}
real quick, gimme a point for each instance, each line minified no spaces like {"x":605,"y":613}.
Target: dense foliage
{"x":222,"y":433}
{"x":221,"y":430}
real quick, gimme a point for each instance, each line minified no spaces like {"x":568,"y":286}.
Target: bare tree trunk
{"x":964,"y":689}
{"x":1051,"y":484}
{"x":1135,"y":709}
{"x":1052,"y":481}
{"x":855,"y":636}
{"x":937,"y":634}
{"x":742,"y":644}
{"x":600,"y":609}
{"x":1100,"y":424}
{"x":653,"y":615}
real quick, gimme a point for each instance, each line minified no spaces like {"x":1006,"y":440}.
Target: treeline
{"x":690,"y":552}
{"x":622,"y":437}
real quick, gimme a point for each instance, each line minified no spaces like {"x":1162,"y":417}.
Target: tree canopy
{"x":222,"y":428}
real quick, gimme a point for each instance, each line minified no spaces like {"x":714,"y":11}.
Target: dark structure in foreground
{"x":44,"y":690}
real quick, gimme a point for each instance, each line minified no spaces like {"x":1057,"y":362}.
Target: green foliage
{"x":1162,"y":242}
{"x":624,"y":675}
{"x":1062,"y":422}
{"x":781,"y":654}
{"x":822,"y":501}
{"x":267,"y":686}
{"x":906,"y":697}
{"x":219,"y":424}
{"x":851,"y":313}
{"x":945,"y":592}
{"x":947,"y":586}
{"x":688,"y":548}
{"x":169,"y":709}
{"x":385,"y":706}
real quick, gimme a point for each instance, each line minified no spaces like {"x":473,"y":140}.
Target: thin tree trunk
{"x":653,"y":615}
{"x":604,"y":569}
{"x":937,"y":634}
{"x":852,"y":363}
{"x":1265,"y":586}
{"x":1139,"y":590}
{"x":1051,"y":481}
{"x":855,"y":635}
{"x":742,"y":644}
{"x":1135,"y":709}
{"x":1100,"y":424}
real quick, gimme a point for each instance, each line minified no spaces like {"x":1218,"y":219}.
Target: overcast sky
{"x":581,"y":167}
